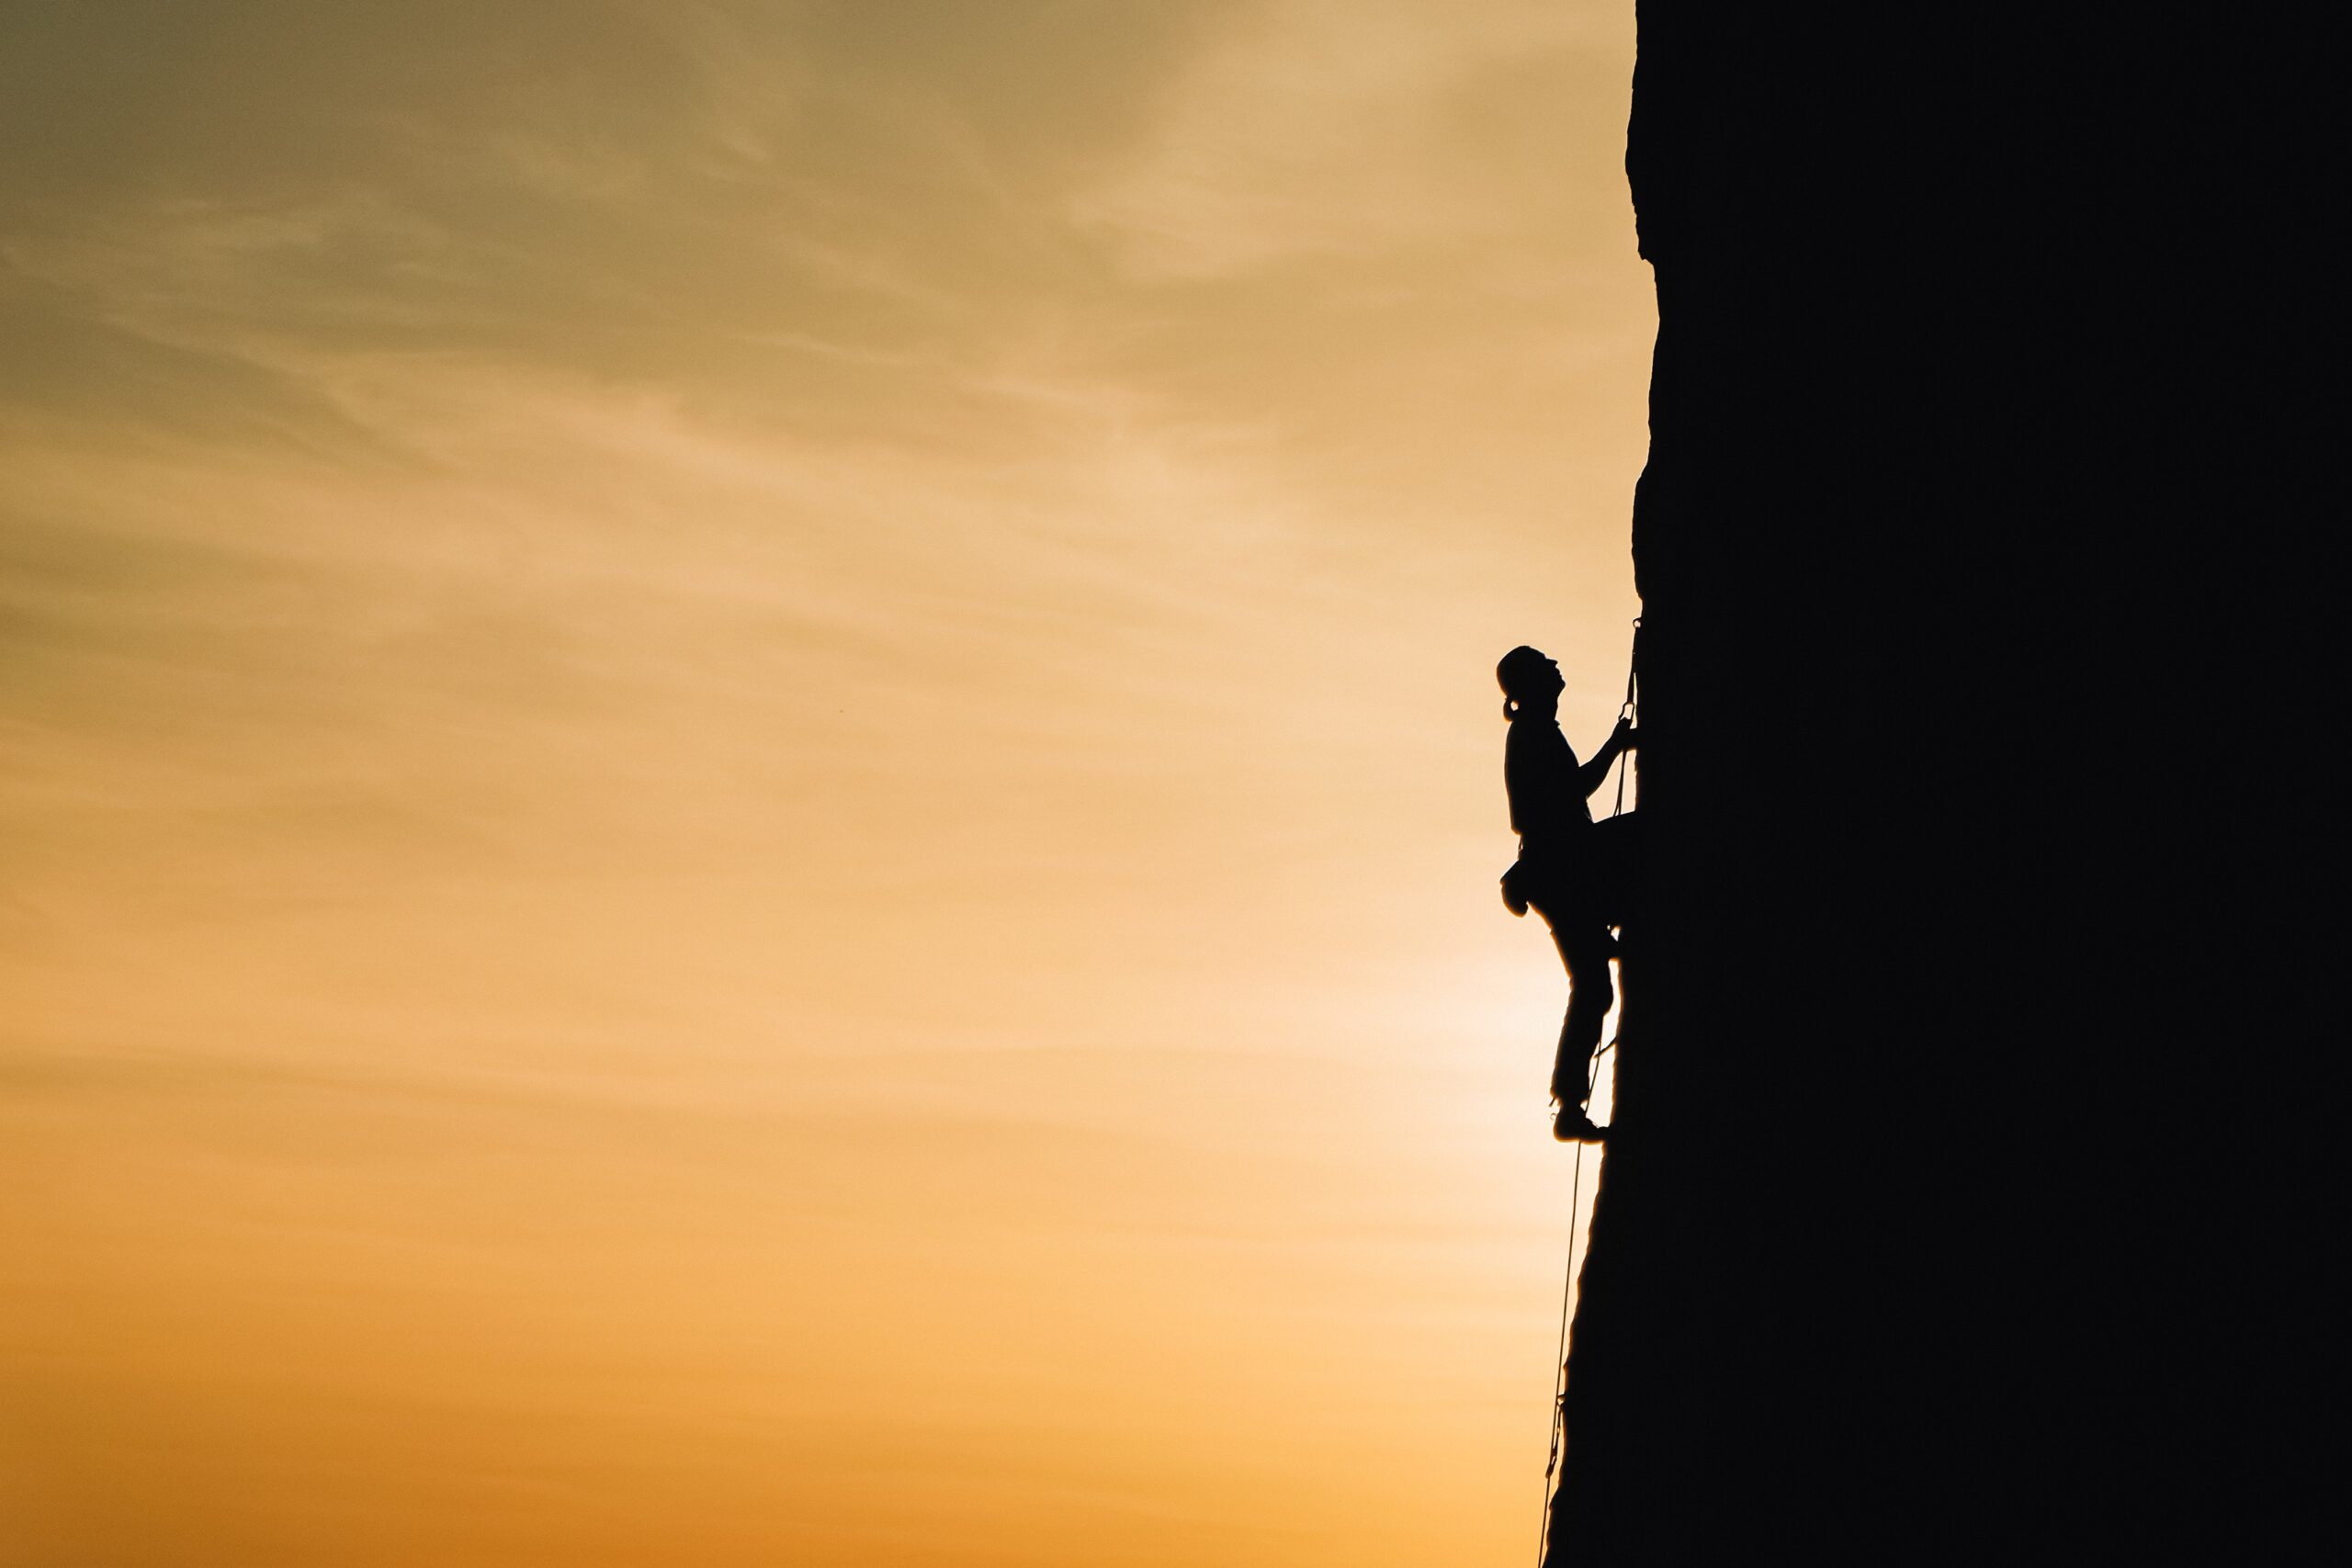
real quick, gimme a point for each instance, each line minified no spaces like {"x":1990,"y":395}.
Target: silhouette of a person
{"x":1564,"y":872}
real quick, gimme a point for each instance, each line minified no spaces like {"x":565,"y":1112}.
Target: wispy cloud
{"x":1334,"y":130}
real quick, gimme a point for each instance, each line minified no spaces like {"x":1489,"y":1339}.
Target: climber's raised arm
{"x":1593,"y":774}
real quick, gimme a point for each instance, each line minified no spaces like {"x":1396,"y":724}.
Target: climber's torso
{"x":1548,"y":807}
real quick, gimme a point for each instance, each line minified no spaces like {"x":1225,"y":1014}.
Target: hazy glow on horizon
{"x":753,"y":783}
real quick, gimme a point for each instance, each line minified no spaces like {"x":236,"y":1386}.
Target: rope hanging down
{"x":1567,"y":1288}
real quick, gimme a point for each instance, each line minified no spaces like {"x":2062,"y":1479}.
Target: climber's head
{"x":1530,"y":681}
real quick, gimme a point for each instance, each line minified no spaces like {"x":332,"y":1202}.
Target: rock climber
{"x":1567,"y":871}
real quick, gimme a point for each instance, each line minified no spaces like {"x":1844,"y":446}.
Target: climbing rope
{"x":1631,"y":708}
{"x":1567,"y":1291}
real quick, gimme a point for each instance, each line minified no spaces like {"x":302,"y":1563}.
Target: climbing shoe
{"x":1573,"y":1126}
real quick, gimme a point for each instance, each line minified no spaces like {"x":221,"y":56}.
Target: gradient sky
{"x":752,"y":783}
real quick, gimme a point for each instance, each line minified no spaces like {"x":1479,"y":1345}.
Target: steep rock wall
{"x":1952,"y":597}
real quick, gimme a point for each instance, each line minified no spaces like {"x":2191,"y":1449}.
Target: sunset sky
{"x":752,"y":781}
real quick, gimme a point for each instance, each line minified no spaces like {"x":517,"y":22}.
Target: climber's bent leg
{"x":1584,"y":953}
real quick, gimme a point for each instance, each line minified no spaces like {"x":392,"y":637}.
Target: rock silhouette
{"x":1927,"y":1231}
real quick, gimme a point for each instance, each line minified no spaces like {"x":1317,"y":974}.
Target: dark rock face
{"x":1962,"y":540}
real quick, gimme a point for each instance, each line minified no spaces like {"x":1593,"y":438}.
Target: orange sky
{"x":752,"y":786}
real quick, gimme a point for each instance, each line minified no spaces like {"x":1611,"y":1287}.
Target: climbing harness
{"x":1630,"y":710}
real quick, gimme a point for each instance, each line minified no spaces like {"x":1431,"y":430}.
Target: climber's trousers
{"x":1584,"y":947}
